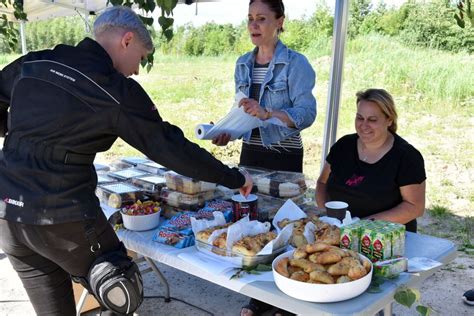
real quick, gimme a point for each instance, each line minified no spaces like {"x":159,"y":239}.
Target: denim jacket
{"x":287,"y":87}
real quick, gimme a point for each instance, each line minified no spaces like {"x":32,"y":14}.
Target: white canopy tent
{"x":46,"y":9}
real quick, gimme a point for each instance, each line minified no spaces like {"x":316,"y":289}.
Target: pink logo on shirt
{"x":354,"y":180}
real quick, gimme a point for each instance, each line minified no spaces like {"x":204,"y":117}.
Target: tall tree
{"x":358,"y":12}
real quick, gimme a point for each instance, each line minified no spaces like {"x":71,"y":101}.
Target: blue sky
{"x":235,"y":11}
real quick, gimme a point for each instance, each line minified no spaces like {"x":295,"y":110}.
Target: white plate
{"x":320,"y":293}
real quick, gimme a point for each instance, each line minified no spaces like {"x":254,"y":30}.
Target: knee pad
{"x":116,"y":282}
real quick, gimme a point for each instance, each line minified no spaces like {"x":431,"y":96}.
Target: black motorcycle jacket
{"x":58,"y":108}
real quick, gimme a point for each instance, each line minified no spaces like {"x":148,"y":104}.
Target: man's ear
{"x":127,"y":39}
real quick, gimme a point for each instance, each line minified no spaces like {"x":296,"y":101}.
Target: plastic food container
{"x":135,"y":160}
{"x":118,"y":194}
{"x":282,"y":184}
{"x":186,"y":201}
{"x":225,"y":192}
{"x":104,"y":179}
{"x":237,"y":259}
{"x":100,"y":167}
{"x":187,"y":185}
{"x":320,"y":293}
{"x":268,"y":205}
{"x":151,"y":184}
{"x":257,"y":172}
{"x":127,"y":174}
{"x":141,"y":222}
{"x":152,"y":167}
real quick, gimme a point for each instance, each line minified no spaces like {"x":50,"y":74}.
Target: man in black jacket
{"x":58,"y":108}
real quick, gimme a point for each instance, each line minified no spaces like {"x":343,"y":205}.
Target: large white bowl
{"x":141,"y":222}
{"x":319,"y":293}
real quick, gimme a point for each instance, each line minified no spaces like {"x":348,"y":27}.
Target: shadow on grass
{"x":439,"y":221}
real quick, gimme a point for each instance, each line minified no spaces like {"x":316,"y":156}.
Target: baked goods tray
{"x":282,"y":184}
{"x":183,"y":184}
{"x":237,"y":259}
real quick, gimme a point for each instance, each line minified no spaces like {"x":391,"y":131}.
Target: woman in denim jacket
{"x":279,"y":83}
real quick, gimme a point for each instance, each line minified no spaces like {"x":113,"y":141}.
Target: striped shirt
{"x":291,"y":143}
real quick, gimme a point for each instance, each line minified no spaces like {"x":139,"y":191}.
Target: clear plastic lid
{"x":282,"y":184}
{"x":118,"y":194}
{"x":120,"y":165}
{"x":257,"y":172}
{"x":186,"y":201}
{"x":135,"y":160}
{"x":101,"y":167}
{"x":152,"y":167}
{"x":104,"y":179}
{"x":187,"y":185}
{"x":269,"y":205}
{"x":127,"y":174}
{"x":150,"y":183}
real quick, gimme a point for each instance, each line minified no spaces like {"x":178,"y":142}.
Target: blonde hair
{"x":384,"y":101}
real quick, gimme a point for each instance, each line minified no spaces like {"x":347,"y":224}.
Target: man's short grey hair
{"x":124,"y":18}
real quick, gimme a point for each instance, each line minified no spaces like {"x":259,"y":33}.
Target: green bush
{"x":321,"y":22}
{"x":219,"y":39}
{"x":242,"y":43}
{"x":432,"y":25}
{"x":359,"y":10}
{"x":428,"y":24}
{"x":297,"y":34}
{"x":390,"y":23}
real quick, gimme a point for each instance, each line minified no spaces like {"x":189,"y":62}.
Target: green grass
{"x":439,"y":211}
{"x":5,"y":59}
{"x":433,"y":90}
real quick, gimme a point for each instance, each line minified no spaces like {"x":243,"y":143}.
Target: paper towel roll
{"x":202,"y":130}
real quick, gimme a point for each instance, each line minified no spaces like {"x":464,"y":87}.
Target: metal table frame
{"x":417,"y":245}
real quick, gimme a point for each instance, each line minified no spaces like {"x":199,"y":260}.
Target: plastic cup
{"x":336,"y":209}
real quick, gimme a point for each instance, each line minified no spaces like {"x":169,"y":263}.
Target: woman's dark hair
{"x":275,"y":6}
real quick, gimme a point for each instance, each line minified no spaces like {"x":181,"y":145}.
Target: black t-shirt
{"x":373,"y":188}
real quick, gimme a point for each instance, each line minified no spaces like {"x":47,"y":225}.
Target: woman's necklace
{"x":379,"y":152}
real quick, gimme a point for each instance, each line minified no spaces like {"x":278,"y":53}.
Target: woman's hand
{"x":253,"y":108}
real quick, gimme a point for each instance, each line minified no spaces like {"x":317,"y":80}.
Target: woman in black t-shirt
{"x":378,"y":173}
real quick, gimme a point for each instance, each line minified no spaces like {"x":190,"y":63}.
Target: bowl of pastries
{"x":322,"y":273}
{"x":323,"y":231}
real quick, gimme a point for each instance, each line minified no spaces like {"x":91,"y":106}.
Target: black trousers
{"x":45,"y":257}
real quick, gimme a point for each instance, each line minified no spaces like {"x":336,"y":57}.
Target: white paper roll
{"x":202,"y":130}
{"x":236,"y":123}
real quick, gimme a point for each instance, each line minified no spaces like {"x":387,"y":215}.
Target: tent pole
{"x":24,"y":49}
{"x":335,"y":81}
